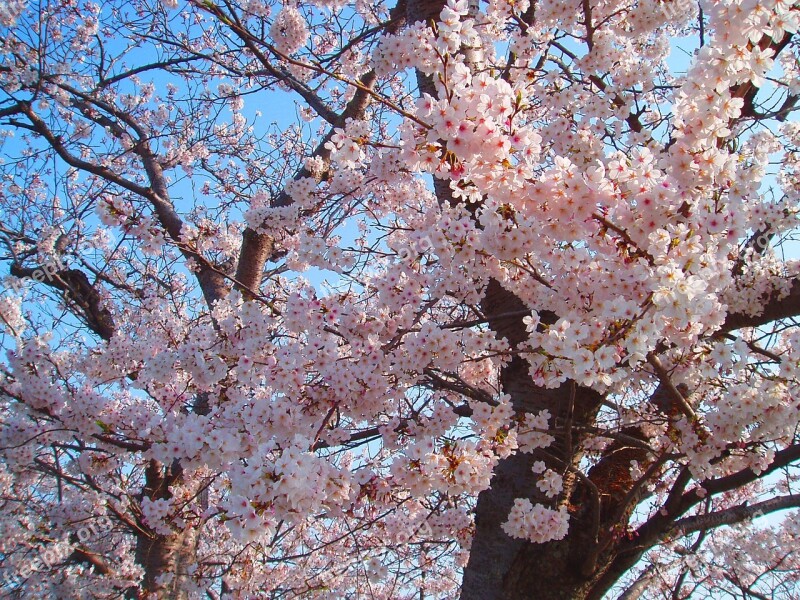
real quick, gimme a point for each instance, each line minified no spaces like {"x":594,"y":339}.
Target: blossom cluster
{"x":351,"y":402}
{"x":536,"y":522}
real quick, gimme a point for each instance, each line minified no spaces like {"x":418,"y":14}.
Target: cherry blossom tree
{"x":423,"y":299}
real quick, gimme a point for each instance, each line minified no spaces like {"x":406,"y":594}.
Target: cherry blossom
{"x":399,"y":300}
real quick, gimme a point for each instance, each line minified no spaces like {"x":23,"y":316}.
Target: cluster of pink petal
{"x":289,"y":30}
{"x":536,"y":522}
{"x":630,"y":248}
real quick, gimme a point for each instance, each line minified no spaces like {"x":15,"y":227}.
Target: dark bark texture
{"x":504,"y":568}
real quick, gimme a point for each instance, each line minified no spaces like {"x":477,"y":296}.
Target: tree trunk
{"x":501,"y":567}
{"x":165,"y":558}
{"x":505,"y":568}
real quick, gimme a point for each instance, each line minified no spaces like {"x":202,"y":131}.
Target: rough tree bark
{"x":171,"y":554}
{"x":505,"y":568}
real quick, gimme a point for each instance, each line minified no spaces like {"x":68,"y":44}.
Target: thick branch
{"x":641,"y":585}
{"x":78,"y":292}
{"x":734,"y":515}
{"x":81,"y":555}
{"x":257,"y":248}
{"x":57,"y":144}
{"x":211,"y":282}
{"x":675,"y":396}
{"x":654,"y":530}
{"x":774,"y":308}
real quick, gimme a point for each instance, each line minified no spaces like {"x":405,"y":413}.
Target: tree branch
{"x":666,"y":381}
{"x":78,"y":292}
{"x":775,"y":307}
{"x":641,"y":585}
{"x":733,"y":515}
{"x":55,"y":141}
